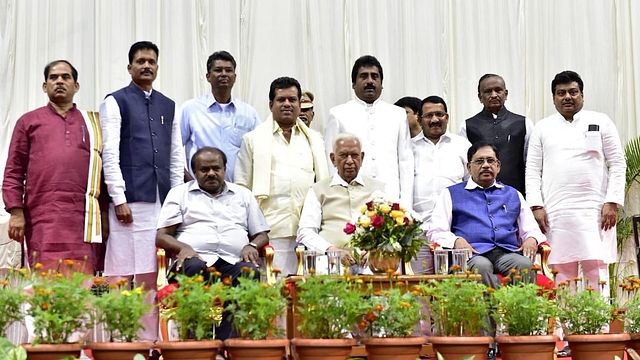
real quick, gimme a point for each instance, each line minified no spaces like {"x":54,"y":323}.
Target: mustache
{"x":370,"y":86}
{"x":435,"y":124}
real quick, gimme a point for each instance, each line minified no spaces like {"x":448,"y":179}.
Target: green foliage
{"x":632,"y":305}
{"x":59,"y":305}
{"x":11,"y":297}
{"x":459,"y":306}
{"x":10,"y":352}
{"x":329,"y":306}
{"x":120,"y":310}
{"x":393,"y":312}
{"x":193,"y":306}
{"x":254,"y":307}
{"x":583,"y":312}
{"x":523,"y":308}
{"x":383,"y":224}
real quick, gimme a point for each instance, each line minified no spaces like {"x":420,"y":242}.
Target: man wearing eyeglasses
{"x":508,"y":131}
{"x":489,"y":219}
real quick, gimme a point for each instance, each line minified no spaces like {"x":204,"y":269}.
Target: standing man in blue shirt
{"x":217,"y":119}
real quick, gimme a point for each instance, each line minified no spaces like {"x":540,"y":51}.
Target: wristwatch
{"x":255,"y":246}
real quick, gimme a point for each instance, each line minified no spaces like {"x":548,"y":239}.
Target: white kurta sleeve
{"x":527,"y":225}
{"x":463,"y":130}
{"x":243,"y":171}
{"x":614,"y":156}
{"x":176,"y":165}
{"x":405,"y":165}
{"x":440,"y":229}
{"x":331,"y":130}
{"x":310,"y":223}
{"x":533,"y":172}
{"x":111,"y":121}
{"x":528,"y":130}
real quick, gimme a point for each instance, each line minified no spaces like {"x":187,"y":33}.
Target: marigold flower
{"x":536,"y":267}
{"x":490,"y":290}
{"x":507,"y":279}
{"x":277,"y":270}
{"x":378,"y":308}
{"x":555,"y":271}
{"x":405,"y":304}
{"x":44,"y":306}
{"x":37,"y":266}
{"x":5,"y":283}
{"x":370,"y":316}
{"x":199,"y":279}
{"x":362,"y":325}
{"x":245,"y":269}
{"x":186,"y":293}
{"x":400,"y":283}
{"x":138,"y":290}
{"x":43,"y":273}
{"x":211,"y":269}
{"x":125,"y":293}
{"x":513,"y":271}
{"x":227,"y":281}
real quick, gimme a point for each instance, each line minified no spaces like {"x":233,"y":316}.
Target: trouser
{"x":150,"y":321}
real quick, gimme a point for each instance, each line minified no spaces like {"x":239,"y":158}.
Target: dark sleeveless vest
{"x":145,"y":143}
{"x":506,"y":133}
{"x":486,"y":218}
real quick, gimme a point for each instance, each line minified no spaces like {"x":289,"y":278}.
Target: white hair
{"x":345,"y":137}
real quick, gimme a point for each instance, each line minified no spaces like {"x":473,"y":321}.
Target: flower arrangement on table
{"x":120,"y":309}
{"x":386,"y":226}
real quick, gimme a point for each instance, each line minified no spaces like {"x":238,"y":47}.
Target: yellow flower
{"x":37,"y":266}
{"x":138,"y":290}
{"x":384,"y":208}
{"x":125,"y":293}
{"x":399,"y":221}
{"x":363,"y":209}
{"x":397,"y":214}
{"x":364,"y":221}
{"x":371,"y":213}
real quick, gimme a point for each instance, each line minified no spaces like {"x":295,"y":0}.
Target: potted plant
{"x":391,"y":320}
{"x":254,"y":308}
{"x":583,"y":315}
{"x":118,"y":311}
{"x":192,"y":305}
{"x":59,"y":305}
{"x":459,"y":307}
{"x":632,"y":313}
{"x":11,"y":297}
{"x":524,"y":310}
{"x":329,"y":308}
{"x":387,"y":231}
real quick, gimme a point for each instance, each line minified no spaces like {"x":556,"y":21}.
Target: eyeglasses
{"x":481,"y":161}
{"x":430,"y":115}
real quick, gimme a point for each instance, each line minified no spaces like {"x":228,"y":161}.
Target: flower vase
{"x":381,"y":261}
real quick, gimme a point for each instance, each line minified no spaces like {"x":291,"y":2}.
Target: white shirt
{"x":311,"y":218}
{"x":214,"y":226}
{"x":440,"y":229}
{"x":437,"y":166}
{"x":111,"y":123}
{"x":384,"y":135}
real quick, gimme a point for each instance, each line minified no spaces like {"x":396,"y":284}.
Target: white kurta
{"x":573,"y":183}
{"x":384,"y":133}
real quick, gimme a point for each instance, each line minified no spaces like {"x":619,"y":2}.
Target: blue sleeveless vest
{"x":486,"y":218}
{"x":145,"y":143}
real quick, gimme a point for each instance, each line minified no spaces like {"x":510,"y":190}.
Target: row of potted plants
{"x":339,"y":309}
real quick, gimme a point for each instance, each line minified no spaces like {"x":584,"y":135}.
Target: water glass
{"x":309,"y":257}
{"x":460,"y":257}
{"x":334,"y":263}
{"x":441,"y":261}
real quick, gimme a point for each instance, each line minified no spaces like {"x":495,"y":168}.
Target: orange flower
{"x":227,"y":281}
{"x":245,"y":269}
{"x":186,"y":293}
{"x":69,"y":262}
{"x":378,"y":308}
{"x":362,"y":325}
{"x":37,"y":266}
{"x":370,"y":316}
{"x":44,"y":306}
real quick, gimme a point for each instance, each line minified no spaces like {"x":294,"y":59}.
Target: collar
{"x":294,"y":130}
{"x":211,"y":100}
{"x":193,"y":186}
{"x":576,"y":116}
{"x":366,"y":105}
{"x":137,"y":89}
{"x":50,"y":106}
{"x":471,"y":185}
{"x":501,"y":113}
{"x":445,"y":136}
{"x":336,"y":180}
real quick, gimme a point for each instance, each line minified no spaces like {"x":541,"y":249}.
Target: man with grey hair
{"x":330,"y":203}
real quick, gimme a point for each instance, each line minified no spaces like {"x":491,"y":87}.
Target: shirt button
{"x":490,"y":202}
{"x":155,"y":166}
{"x":491,"y":216}
{"x":496,"y":136}
{"x":150,"y":119}
{"x":155,"y":150}
{"x":153,"y":134}
{"x":495,"y":228}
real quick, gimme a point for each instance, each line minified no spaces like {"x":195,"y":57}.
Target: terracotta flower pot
{"x":118,"y":350}
{"x":597,"y":347}
{"x":194,"y":350}
{"x":527,"y":347}
{"x":323,"y":349}
{"x":458,"y":347}
{"x":241,"y":349}
{"x":52,"y":351}
{"x":394,"y":348}
{"x":634,"y":343}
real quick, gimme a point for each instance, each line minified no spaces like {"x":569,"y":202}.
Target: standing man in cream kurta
{"x":382,"y":127}
{"x":575,"y":183}
{"x":278,"y":162}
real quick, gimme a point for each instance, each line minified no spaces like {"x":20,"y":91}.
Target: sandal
{"x":566,"y":352}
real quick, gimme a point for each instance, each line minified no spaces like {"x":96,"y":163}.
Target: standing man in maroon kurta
{"x":52,"y":178}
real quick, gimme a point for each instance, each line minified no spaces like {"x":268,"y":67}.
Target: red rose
{"x":349,"y":229}
{"x":369,"y":205}
{"x":377,"y":221}
{"x":395,"y":206}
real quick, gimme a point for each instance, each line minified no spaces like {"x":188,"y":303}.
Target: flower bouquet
{"x":383,"y":226}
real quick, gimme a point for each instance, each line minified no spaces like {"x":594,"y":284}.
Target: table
{"x":379,"y":282}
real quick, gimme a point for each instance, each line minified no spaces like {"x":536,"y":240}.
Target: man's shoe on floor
{"x":566,"y":352}
{"x":491,"y":355}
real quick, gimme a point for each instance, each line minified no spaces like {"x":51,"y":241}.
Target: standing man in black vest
{"x":142,"y":158}
{"x":507,"y":131}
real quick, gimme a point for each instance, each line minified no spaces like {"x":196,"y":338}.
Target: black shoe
{"x":566,"y":352}
{"x":491,"y":355}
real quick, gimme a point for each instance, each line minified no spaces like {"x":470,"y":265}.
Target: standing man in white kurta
{"x":278,"y":162}
{"x":382,"y":127}
{"x":142,"y":159}
{"x":575,"y":183}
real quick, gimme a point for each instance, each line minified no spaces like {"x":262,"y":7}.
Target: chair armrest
{"x":544,"y":249}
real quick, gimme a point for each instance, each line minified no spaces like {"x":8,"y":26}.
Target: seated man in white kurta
{"x":330,"y":203}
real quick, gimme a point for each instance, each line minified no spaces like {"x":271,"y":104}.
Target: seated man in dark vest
{"x":489,"y":219}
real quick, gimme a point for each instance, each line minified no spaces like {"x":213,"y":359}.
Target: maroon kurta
{"x":52,"y":154}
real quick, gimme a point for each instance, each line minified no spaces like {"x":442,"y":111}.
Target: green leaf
{"x":8,"y":351}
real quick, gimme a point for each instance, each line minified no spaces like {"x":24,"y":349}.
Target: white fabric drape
{"x":426,"y":47}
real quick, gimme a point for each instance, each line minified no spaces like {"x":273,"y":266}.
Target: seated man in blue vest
{"x":489,"y":219}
